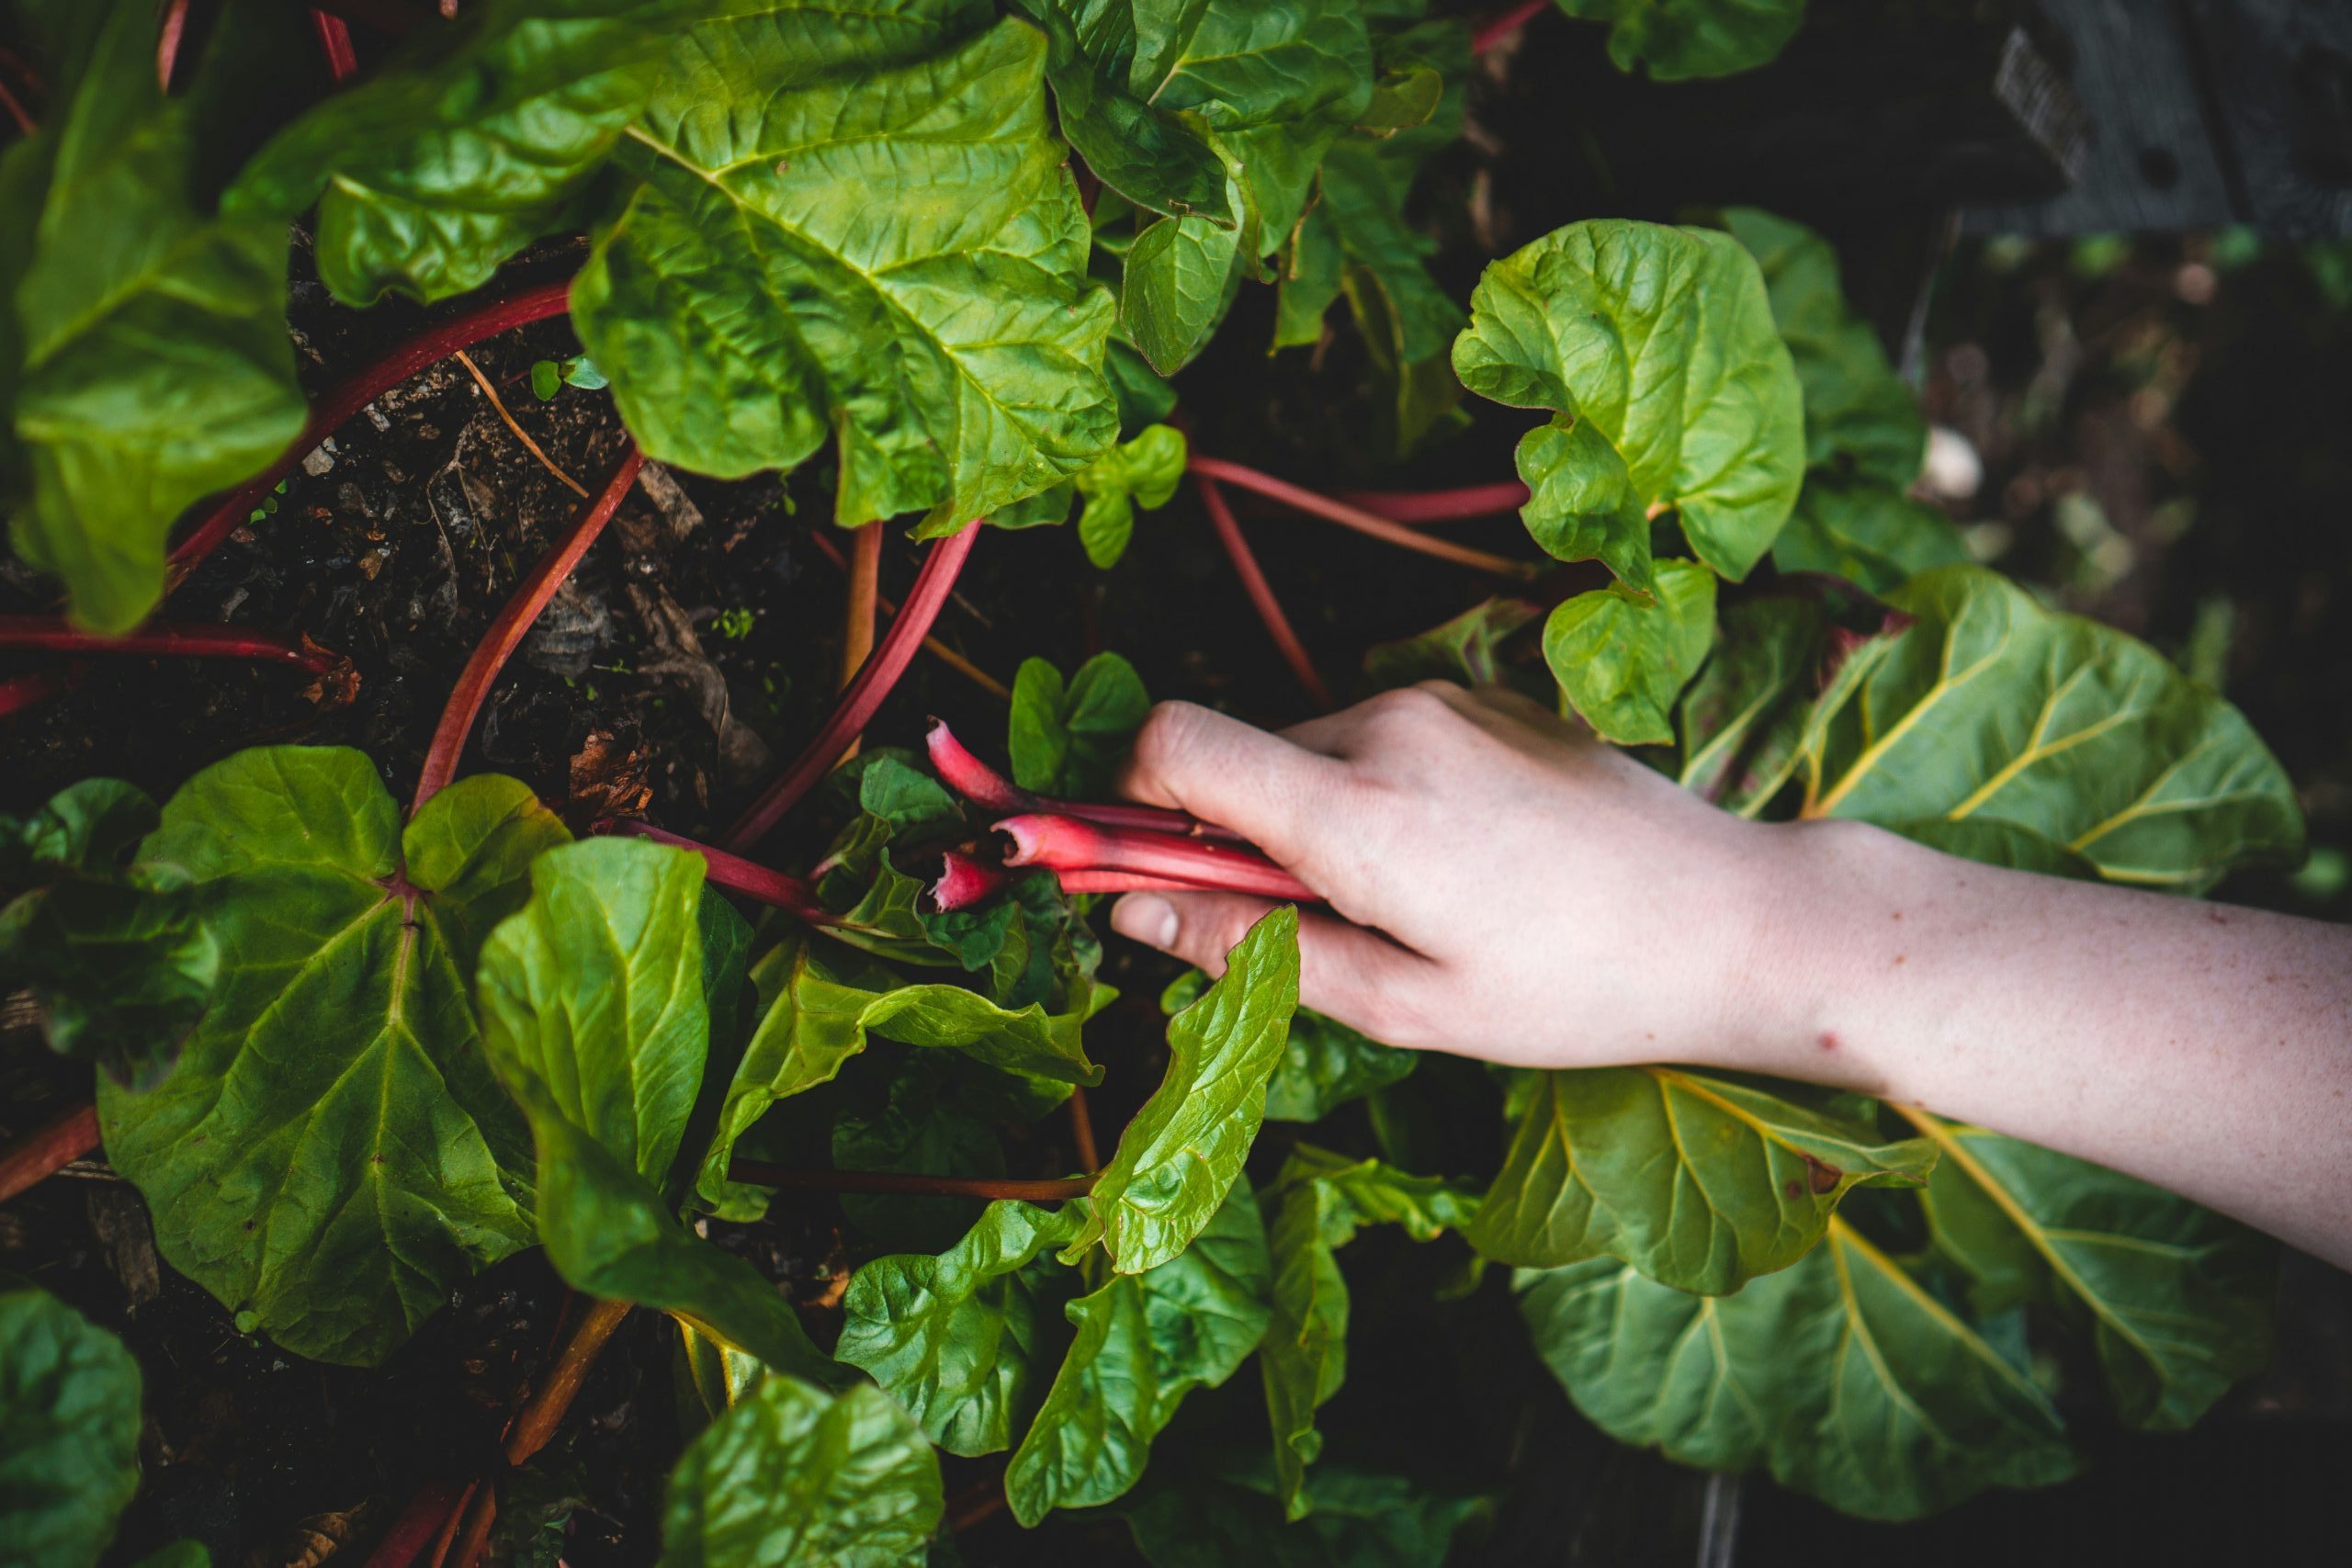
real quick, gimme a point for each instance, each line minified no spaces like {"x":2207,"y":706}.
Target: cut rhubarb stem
{"x":1261,"y":592}
{"x":964,"y":882}
{"x":984,"y":786}
{"x":506,"y":632}
{"x":1439,"y":505}
{"x":334,"y":45}
{"x":166,"y":639}
{"x":1066,"y":843}
{"x":761,"y":884}
{"x":1356,"y":518}
{"x":865,"y":692}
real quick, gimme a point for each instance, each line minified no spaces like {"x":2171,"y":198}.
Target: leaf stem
{"x":775,"y":888}
{"x":166,"y":640}
{"x":1069,"y":843}
{"x":1356,"y":518}
{"x":499,"y":403}
{"x":57,"y":1144}
{"x":931,"y":645}
{"x":760,"y":1173}
{"x":1504,"y":26}
{"x":1261,"y":592}
{"x":1081,"y":1129}
{"x":1422,"y":506}
{"x":419,"y":1525}
{"x":983,"y":785}
{"x":865,"y":692}
{"x":530,"y":597}
{"x":334,"y":45}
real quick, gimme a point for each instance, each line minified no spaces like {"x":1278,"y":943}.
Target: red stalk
{"x":931,"y":645}
{"x":420,"y":1524}
{"x":165,"y":639}
{"x":334,"y":45}
{"x":24,"y":691}
{"x":1261,"y":592}
{"x":965,"y":882}
{"x":1066,"y":843}
{"x":339,"y":406}
{"x":1503,"y":27}
{"x":1356,"y":518}
{"x":57,"y":1144}
{"x":173,"y":29}
{"x":759,"y":883}
{"x":530,"y":597}
{"x":1075,"y":882}
{"x":759,"y":1173}
{"x":983,"y":785}
{"x":865,"y":692}
{"x":1439,"y":505}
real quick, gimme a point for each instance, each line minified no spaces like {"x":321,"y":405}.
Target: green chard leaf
{"x":1068,"y":738}
{"x":1360,"y":1519}
{"x":147,"y":362}
{"x":1991,"y":709}
{"x":1318,"y":1202}
{"x":113,"y":951}
{"x":1655,"y":349}
{"x":332,"y":1153}
{"x":2178,"y":1299}
{"x":471,"y":142}
{"x":595,"y":1018}
{"x":1743,"y":718}
{"x":1621,"y":662}
{"x":794,"y":1477}
{"x":1678,"y":41}
{"x":931,"y":1124}
{"x":1183,"y":1153}
{"x":1873,"y":537}
{"x":1467,"y":648}
{"x":1699,"y":1181}
{"x":1143,"y":1342}
{"x":69,"y":1432}
{"x":851,"y":221}
{"x":1142,"y":472}
{"x":1842,"y":1373}
{"x":1325,"y":1064}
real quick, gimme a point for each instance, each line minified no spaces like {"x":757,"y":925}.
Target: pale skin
{"x":1501,"y":885}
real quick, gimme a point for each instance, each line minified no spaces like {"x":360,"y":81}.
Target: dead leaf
{"x":743,"y":755}
{"x":607,"y":780}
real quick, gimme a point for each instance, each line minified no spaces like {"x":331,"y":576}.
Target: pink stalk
{"x":759,"y":883}
{"x":1124,"y":882}
{"x":865,"y":691}
{"x":1262,"y":593}
{"x":1356,"y":518}
{"x":172,"y":29}
{"x":334,"y":45}
{"x":964,"y":882}
{"x":530,"y":597}
{"x":1439,"y":505}
{"x":1503,"y":27}
{"x":983,"y":785}
{"x":23,"y":691}
{"x":339,"y":406}
{"x":58,"y":1144}
{"x":419,"y":1525}
{"x":165,"y":639}
{"x":1065,"y":843}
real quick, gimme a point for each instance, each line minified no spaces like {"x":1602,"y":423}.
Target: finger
{"x":1359,"y":976}
{"x":1223,"y":771}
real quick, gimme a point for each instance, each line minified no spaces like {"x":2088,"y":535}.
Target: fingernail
{"x":1146,"y":918}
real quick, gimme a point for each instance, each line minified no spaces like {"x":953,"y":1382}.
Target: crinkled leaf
{"x":1360,"y":1519}
{"x":967,"y":1341}
{"x":1699,"y":1181}
{"x":332,"y":1153}
{"x":1873,"y":537}
{"x":1067,"y":740}
{"x":794,"y":1477}
{"x":1676,"y":40}
{"x":150,"y":364}
{"x":1993,"y":709}
{"x":69,"y":1432}
{"x":2176,"y":1298}
{"x":1621,"y":662}
{"x":471,"y":143}
{"x":1842,"y":1373}
{"x":1143,"y":473}
{"x":1183,"y":1151}
{"x":1144,"y":1341}
{"x":854,"y":223}
{"x":1468,"y":649}
{"x":1661,"y":340}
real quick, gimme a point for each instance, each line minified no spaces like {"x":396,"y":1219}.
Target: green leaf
{"x":851,"y":222}
{"x":1070,"y":740}
{"x":177,"y":1555}
{"x":1842,"y":1373}
{"x":1677,"y":40}
{"x":1468,"y":649}
{"x":1621,"y":663}
{"x":1875,"y":538}
{"x":1319,"y":1202}
{"x":966,"y":1340}
{"x":1743,"y":718}
{"x":2178,"y":1299}
{"x":1142,"y":472}
{"x":332,"y":1153}
{"x":794,"y":1477}
{"x":469,"y":144}
{"x":930,"y":1124}
{"x":114,"y":953}
{"x":1700,"y":1182}
{"x":1144,"y":397}
{"x":1991,"y":708}
{"x":1144,"y":1341}
{"x":546,"y":380}
{"x":1183,"y":1150}
{"x":149,"y":363}
{"x":1661,"y":340}
{"x":1360,"y":1519}
{"x":1179,"y":278}
{"x":69,"y":1432}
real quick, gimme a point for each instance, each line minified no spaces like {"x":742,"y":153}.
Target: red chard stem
{"x":163,"y":640}
{"x":761,"y":884}
{"x":1439,"y":505}
{"x":1261,"y":592}
{"x":1067,"y":843}
{"x":964,"y":882}
{"x":1357,"y":518}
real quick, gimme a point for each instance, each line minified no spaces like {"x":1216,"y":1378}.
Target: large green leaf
{"x":931,"y":1123}
{"x":966,"y":1340}
{"x":1325,"y":1064}
{"x":1360,"y":1519}
{"x":1676,"y":40}
{"x":1743,"y":719}
{"x":1068,"y":738}
{"x":111,"y":948}
{"x":1842,"y":1373}
{"x":150,"y":364}
{"x":1621,"y":662}
{"x":793,"y":1477}
{"x":1144,"y":1341}
{"x":1701,"y":1182}
{"x":853,"y":222}
{"x":464,"y":147}
{"x":1183,"y":1153}
{"x":1991,"y":708}
{"x":1656,"y":351}
{"x":2178,"y":1298}
{"x":69,"y":1432}
{"x":1874,"y":537}
{"x":332,"y":1153}
{"x":1319,"y":1201}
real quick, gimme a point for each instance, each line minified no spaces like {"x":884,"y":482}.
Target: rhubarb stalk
{"x":1421,"y":506}
{"x":1505,"y":26}
{"x":56,"y":1145}
{"x":964,"y":882}
{"x":1069,"y":843}
{"x":735,"y":873}
{"x":931,"y":645}
{"x":1261,"y":592}
{"x":984,"y":786}
{"x":166,"y":639}
{"x":1357,"y":518}
{"x":334,"y":45}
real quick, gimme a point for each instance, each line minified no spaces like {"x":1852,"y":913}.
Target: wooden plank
{"x":2282,"y":72}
